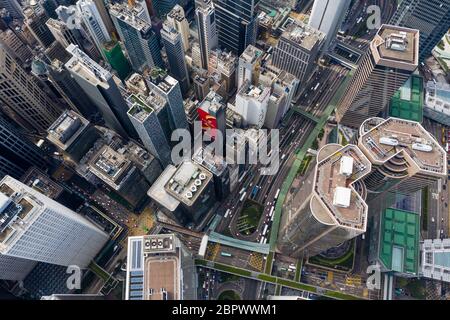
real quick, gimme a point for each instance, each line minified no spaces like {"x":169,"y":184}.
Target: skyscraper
{"x":173,"y":43}
{"x":100,"y":86}
{"x":252,"y":102}
{"x":405,"y":157}
{"x":94,"y":23}
{"x":144,"y":116}
{"x":329,"y":208}
{"x":236,"y":23}
{"x":23,"y":97}
{"x":208,"y":39}
{"x":327,"y":16}
{"x":169,"y":88}
{"x":35,"y":22}
{"x":13,"y":7}
{"x":249,"y":64}
{"x":35,"y":228}
{"x":392,"y":57}
{"x":17,"y":153}
{"x":297,"y":50}
{"x":430,"y":17}
{"x":138,"y":38}
{"x":177,"y":19}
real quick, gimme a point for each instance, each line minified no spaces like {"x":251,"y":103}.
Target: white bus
{"x":262,"y":240}
{"x":265,"y":230}
{"x":277,"y":194}
{"x":243,"y":196}
{"x":227,"y":213}
{"x":271,"y":211}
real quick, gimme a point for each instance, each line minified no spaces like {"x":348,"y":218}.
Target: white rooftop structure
{"x":342,"y":197}
{"x":436,"y":259}
{"x":346,"y":168}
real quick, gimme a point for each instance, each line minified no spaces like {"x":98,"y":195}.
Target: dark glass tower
{"x":431,"y":17}
{"x":236,"y":23}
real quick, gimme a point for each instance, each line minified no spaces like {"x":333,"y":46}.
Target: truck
{"x":277,"y":194}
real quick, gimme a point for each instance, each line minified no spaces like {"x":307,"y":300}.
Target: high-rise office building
{"x":35,"y":22}
{"x":69,"y":89}
{"x":94,"y":23}
{"x":435,"y":259}
{"x":251,"y":103}
{"x":23,"y":97}
{"x":327,"y":16}
{"x":73,"y":135}
{"x":13,"y":7}
{"x":212,"y":113}
{"x":17,"y":153}
{"x":102,"y":89}
{"x":405,"y":157}
{"x":63,"y":34}
{"x":177,"y":19}
{"x":201,"y":87}
{"x":208,"y":38}
{"x":392,"y":57}
{"x":159,"y":267}
{"x":16,"y":45}
{"x":297,"y":50}
{"x":35,"y":228}
{"x":137,"y":35}
{"x":169,"y":88}
{"x":173,"y":43}
{"x":329,"y":208}
{"x":430,"y":17}
{"x":143,"y":114}
{"x":249,"y":64}
{"x":237,"y":23}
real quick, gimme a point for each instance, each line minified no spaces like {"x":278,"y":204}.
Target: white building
{"x":94,"y":23}
{"x":35,"y":228}
{"x":208,"y":37}
{"x":249,"y":63}
{"x":177,"y":19}
{"x":437,"y":102}
{"x":436,"y":259}
{"x":327,"y":16}
{"x":251,"y":104}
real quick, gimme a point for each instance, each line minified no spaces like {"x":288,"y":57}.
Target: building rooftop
{"x":41,"y":182}
{"x":303,"y":35}
{"x":130,"y":15}
{"x":212,"y":163}
{"x":248,"y":90}
{"x":85,"y":67}
{"x":154,"y":268}
{"x":397,"y":45}
{"x":139,"y":109}
{"x":136,"y":84}
{"x":212,"y":103}
{"x":188,"y":182}
{"x":399,"y":240}
{"x":336,"y":200}
{"x":110,"y":166}
{"x":251,"y":54}
{"x":177,"y":13}
{"x":407,"y":102}
{"x":17,"y":207}
{"x":159,"y":194}
{"x":436,"y":259}
{"x":65,"y":130}
{"x":161,"y":79}
{"x":438,"y":97}
{"x":391,"y":137}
